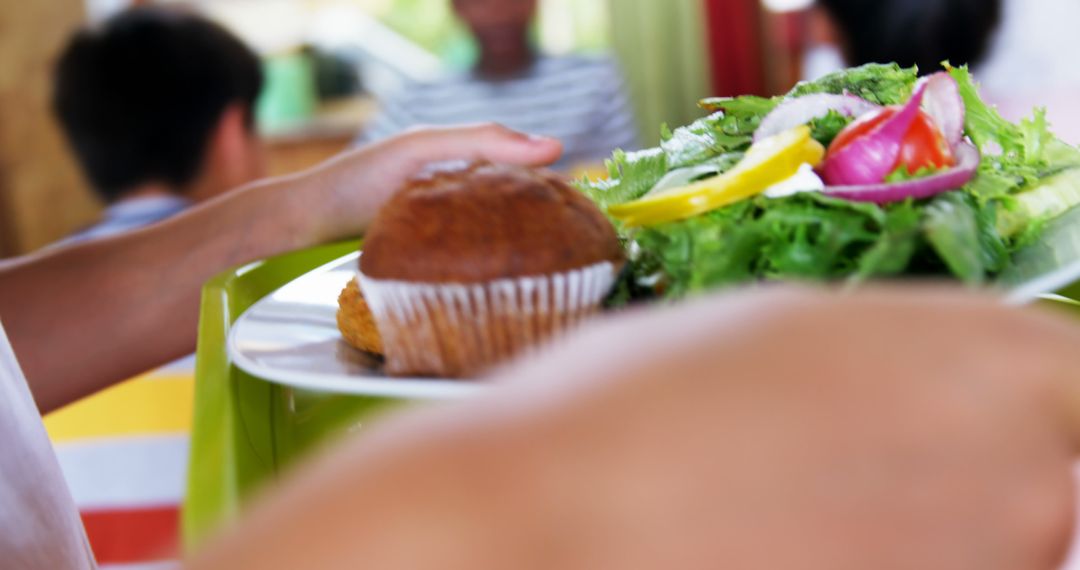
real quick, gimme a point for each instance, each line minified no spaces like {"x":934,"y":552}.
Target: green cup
{"x":289,"y":97}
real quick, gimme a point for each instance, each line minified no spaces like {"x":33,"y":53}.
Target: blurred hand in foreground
{"x":907,"y":429}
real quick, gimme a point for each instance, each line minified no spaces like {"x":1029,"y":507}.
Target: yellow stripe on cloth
{"x":149,"y":405}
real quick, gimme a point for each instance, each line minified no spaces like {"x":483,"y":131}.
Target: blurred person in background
{"x":158,"y":107}
{"x":579,"y":100}
{"x":1020,"y":50}
{"x":909,"y":32}
{"x":1032,"y":64}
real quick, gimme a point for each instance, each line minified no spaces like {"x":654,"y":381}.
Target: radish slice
{"x":870,"y":158}
{"x":967,"y":163}
{"x":945,"y":105}
{"x":801,"y":110}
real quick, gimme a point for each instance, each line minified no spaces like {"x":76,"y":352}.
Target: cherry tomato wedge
{"x":924,"y":145}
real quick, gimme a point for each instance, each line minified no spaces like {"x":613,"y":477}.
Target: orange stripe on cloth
{"x":135,"y":535}
{"x":148,"y":405}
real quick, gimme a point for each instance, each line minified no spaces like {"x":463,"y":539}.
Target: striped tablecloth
{"x":124,"y":455}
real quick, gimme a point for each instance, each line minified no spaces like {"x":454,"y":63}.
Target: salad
{"x":867,"y":173}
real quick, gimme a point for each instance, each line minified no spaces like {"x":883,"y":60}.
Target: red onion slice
{"x":870,"y":158}
{"x":945,"y":105}
{"x":801,"y":110}
{"x":967,"y":157}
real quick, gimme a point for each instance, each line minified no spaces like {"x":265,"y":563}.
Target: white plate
{"x":291,"y":337}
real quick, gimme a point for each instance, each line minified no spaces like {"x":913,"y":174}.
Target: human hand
{"x":131,"y":284}
{"x":890,"y":429}
{"x":342,"y":196}
{"x":786,"y":429}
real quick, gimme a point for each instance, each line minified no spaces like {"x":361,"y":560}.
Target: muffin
{"x":355,"y":321}
{"x":468,"y":267}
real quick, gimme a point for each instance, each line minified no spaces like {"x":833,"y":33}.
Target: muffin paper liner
{"x":458,"y":330}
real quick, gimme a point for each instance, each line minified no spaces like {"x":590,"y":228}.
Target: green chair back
{"x":246,"y":430}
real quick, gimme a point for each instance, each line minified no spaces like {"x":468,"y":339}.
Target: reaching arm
{"x":84,"y":317}
{"x":780,"y":429}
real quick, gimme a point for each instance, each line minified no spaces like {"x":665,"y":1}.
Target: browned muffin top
{"x":486,"y":222}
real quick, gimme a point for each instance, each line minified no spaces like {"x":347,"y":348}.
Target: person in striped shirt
{"x":580,"y":100}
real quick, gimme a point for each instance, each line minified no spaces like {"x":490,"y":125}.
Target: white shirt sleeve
{"x":39,"y":525}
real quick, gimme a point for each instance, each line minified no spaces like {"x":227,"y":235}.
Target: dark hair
{"x":915,"y":32}
{"x":140,"y":96}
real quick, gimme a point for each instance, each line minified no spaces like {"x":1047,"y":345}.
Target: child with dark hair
{"x":158,"y":108}
{"x":1020,"y":50}
{"x":912,"y":32}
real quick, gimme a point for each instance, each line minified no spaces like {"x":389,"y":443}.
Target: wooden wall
{"x":42,"y":194}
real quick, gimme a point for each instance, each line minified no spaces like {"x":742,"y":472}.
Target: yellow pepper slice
{"x":768,"y":162}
